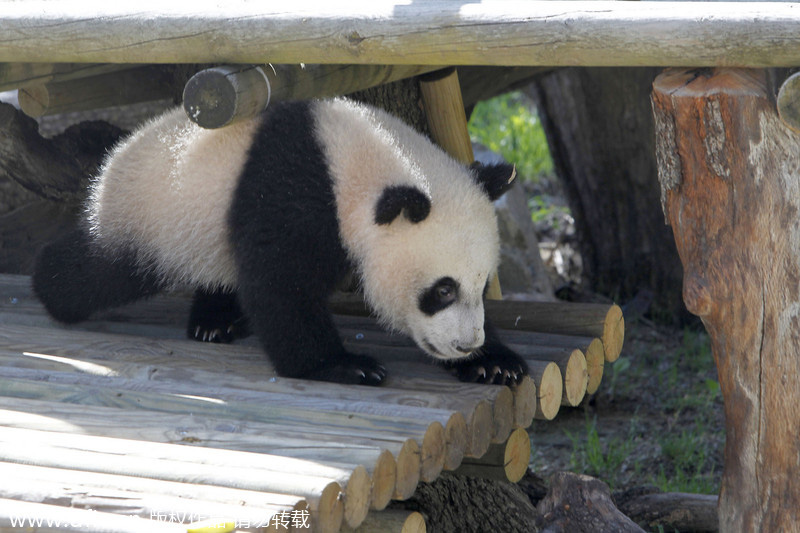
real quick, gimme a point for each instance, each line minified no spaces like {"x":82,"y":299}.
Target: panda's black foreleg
{"x":494,"y":363}
{"x":286,"y":303}
{"x":298,"y":334}
{"x":73,"y":279}
{"x":216,"y":317}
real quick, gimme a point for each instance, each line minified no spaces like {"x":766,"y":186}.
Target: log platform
{"x":122,"y":417}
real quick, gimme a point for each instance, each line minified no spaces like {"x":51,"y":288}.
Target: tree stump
{"x":730,"y":178}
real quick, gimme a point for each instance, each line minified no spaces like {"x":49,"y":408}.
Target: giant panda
{"x":264,"y":217}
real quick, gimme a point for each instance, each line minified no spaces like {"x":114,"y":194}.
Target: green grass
{"x":598,"y":457}
{"x":506,"y":125}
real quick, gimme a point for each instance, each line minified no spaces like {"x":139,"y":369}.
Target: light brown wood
{"x":444,"y":108}
{"x":595,"y":364}
{"x":574,"y":371}
{"x":524,"y":402}
{"x":547,"y":33}
{"x":408,"y":465}
{"x":549,"y":388}
{"x":588,"y":320}
{"x":730,"y":182}
{"x":222,"y":95}
{"x":507,"y":461}
{"x":392,"y":521}
{"x":131,"y":86}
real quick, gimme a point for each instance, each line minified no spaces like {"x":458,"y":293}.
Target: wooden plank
{"x":448,"y":32}
{"x":16,"y":75}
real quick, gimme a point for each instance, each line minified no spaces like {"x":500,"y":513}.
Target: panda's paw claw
{"x":493,"y":370}
{"x":352,"y":369}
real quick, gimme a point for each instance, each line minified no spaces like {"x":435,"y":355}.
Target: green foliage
{"x":507,"y":125}
{"x":598,"y":457}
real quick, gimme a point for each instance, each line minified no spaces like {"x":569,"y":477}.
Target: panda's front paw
{"x":216,"y":317}
{"x":499,"y":368}
{"x":351,"y":369}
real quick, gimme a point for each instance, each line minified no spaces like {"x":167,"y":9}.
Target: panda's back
{"x":164,"y":194}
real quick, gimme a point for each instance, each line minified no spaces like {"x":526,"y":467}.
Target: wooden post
{"x":444,"y":108}
{"x":730,"y":176}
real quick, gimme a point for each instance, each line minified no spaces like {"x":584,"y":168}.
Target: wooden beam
{"x":129,"y":86}
{"x":448,"y":32}
{"x":222,"y":95}
{"x":17,"y":75}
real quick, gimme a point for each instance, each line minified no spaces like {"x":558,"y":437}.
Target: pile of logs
{"x":124,"y":416}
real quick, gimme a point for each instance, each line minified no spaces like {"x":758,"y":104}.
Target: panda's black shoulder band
{"x":411,"y":201}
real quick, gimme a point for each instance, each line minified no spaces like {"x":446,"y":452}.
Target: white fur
{"x":165,"y":193}
{"x":368,"y":150}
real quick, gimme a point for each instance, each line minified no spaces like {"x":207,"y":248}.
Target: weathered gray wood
{"x":17,"y":75}
{"x":492,"y":32}
{"x":129,"y":86}
{"x":220,"y":96}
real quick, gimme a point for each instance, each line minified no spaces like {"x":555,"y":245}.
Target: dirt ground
{"x":657,"y":418}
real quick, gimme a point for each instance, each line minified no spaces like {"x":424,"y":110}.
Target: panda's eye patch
{"x":438,"y":296}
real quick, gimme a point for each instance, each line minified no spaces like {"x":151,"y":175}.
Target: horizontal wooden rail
{"x":492,"y":32}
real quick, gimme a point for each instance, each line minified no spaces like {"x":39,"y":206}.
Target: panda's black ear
{"x":495,"y":179}
{"x":402,"y":198}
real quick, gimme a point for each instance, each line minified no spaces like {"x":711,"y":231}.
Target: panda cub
{"x":264,"y":217}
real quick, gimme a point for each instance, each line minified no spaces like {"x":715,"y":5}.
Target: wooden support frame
{"x":447,"y":32}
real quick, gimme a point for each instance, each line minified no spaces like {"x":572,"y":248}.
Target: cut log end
{"x":550,"y":387}
{"x":432,"y":452}
{"x":384,"y":478}
{"x":517,"y":455}
{"x":357,"y":496}
{"x":524,"y":402}
{"x":455,"y":436}
{"x":408,"y":469}
{"x":595,"y":364}
{"x":503,"y":414}
{"x":480,"y":429}
{"x":576,"y":377}
{"x":613,"y":333}
{"x":330,"y":509}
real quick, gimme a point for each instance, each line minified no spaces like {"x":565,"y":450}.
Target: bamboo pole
{"x":549,"y":385}
{"x":222,"y":95}
{"x":449,"y":32}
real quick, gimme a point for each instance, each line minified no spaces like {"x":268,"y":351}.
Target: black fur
{"x":216,"y":317}
{"x":495,"y":179}
{"x":73,"y":280}
{"x":402,"y":198}
{"x":285,"y":234}
{"x":439,"y":296}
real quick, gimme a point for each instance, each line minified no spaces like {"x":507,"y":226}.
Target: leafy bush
{"x":507,"y":125}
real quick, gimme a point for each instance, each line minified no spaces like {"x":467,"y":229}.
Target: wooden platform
{"x":123,"y":417}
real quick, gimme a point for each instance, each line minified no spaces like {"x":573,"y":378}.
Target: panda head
{"x":437,"y":248}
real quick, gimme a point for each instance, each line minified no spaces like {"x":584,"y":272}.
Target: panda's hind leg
{"x":74,"y":279}
{"x":216,"y":317}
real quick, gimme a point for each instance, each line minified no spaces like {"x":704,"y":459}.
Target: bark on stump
{"x":730,"y":177}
